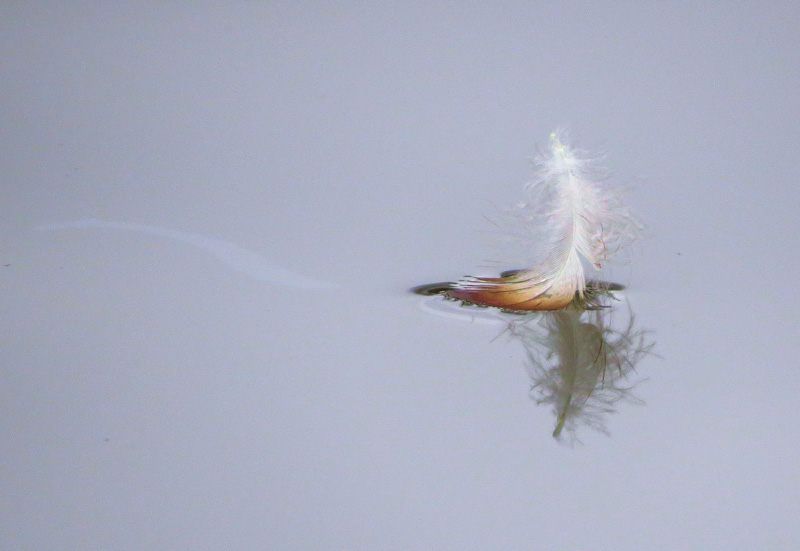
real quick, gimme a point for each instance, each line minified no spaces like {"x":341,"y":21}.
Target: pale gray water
{"x":213,"y":345}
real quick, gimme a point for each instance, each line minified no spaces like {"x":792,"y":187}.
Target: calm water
{"x":212,"y":217}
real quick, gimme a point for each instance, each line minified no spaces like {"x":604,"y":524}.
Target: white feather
{"x":569,"y":214}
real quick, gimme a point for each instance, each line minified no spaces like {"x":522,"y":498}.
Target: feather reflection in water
{"x":580,"y":365}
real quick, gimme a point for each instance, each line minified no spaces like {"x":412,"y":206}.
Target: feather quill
{"x":569,"y":214}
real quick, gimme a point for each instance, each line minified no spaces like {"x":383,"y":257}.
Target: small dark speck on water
{"x":6,"y":265}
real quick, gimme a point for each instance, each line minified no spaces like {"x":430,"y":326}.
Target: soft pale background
{"x":163,"y":385}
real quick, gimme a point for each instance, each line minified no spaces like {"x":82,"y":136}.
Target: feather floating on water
{"x":571,"y":214}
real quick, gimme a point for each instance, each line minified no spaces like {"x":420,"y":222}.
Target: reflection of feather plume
{"x":570,"y":215}
{"x":577,"y":363}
